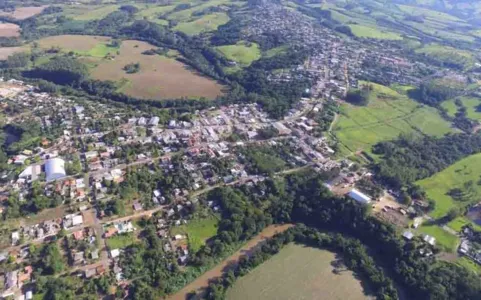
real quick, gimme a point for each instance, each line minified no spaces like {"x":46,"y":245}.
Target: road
{"x":203,"y":281}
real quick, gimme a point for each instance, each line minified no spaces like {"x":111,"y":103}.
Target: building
{"x":408,"y":235}
{"x":283,"y":130}
{"x":55,"y":169}
{"x":359,"y":197}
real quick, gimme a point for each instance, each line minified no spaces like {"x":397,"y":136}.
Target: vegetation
{"x":242,"y":52}
{"x":121,"y":241}
{"x":198,"y":231}
{"x":132,"y":68}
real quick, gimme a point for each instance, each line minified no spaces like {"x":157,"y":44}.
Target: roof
{"x":55,"y":169}
{"x":77,"y":220}
{"x":115,"y":253}
{"x":359,"y":197}
{"x":408,"y":235}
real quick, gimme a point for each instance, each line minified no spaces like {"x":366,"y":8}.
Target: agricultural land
{"x":9,"y":30}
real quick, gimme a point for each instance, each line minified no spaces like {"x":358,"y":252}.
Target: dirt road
{"x":203,"y":281}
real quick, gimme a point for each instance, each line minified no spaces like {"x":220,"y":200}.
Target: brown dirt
{"x":9,"y":30}
{"x":5,"y":52}
{"x":160,"y":77}
{"x":217,"y":271}
{"x":22,"y":13}
{"x":73,"y":42}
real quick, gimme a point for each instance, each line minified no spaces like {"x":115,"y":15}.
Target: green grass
{"x":97,"y":14}
{"x":198,"y":231}
{"x":444,"y":239}
{"x":120,"y":241}
{"x":206,"y":23}
{"x":471,"y":104}
{"x":241,"y":53}
{"x":387,"y":115}
{"x":373,"y":33}
{"x":185,"y":15}
{"x":297,"y":272}
{"x":449,"y":55}
{"x":275,"y":51}
{"x":100,"y":50}
{"x":428,"y":13}
{"x":469,"y":264}
{"x":455,"y":176}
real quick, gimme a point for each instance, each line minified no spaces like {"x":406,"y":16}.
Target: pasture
{"x":9,"y":30}
{"x":198,"y":231}
{"x":22,"y":13}
{"x":472,"y":105}
{"x":297,"y":272}
{"x":241,"y":52}
{"x":464,"y":175}
{"x":449,"y":55}
{"x":373,"y":33}
{"x":80,"y":44}
{"x":206,"y":23}
{"x":95,"y":12}
{"x":387,"y":115}
{"x":160,"y":77}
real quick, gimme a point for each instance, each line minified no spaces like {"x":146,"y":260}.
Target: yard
{"x":120,"y":241}
{"x":387,"y":115}
{"x":464,"y":175}
{"x":198,"y":231}
{"x":298,"y":272}
{"x":447,"y":241}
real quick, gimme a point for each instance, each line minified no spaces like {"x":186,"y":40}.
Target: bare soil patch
{"x":22,"y":13}
{"x":5,"y":52}
{"x":217,"y":271}
{"x":9,"y":30}
{"x":159,"y":77}
{"x":73,"y":42}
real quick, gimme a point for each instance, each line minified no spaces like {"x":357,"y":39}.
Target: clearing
{"x":22,"y":13}
{"x":160,"y":77}
{"x":298,"y":272}
{"x":387,"y":115}
{"x":203,"y":281}
{"x":472,"y":105}
{"x":243,"y":53}
{"x":97,"y":46}
{"x":456,"y":186}
{"x":205,"y":23}
{"x":373,"y":33}
{"x":9,"y":30}
{"x":198,"y":231}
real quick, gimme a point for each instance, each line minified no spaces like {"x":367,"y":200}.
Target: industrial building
{"x":55,"y":169}
{"x":359,"y":197}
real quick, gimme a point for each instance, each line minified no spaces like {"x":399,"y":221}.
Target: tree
{"x":17,"y":60}
{"x":62,"y":70}
{"x":453,"y":213}
{"x":52,"y":259}
{"x":359,"y":96}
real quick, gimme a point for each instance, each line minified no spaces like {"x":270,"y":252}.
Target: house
{"x":78,"y":235}
{"x":281,"y":129}
{"x":359,"y":197}
{"x":408,"y":235}
{"x":430,"y":240}
{"x":137,"y":206}
{"x":11,"y":280}
{"x":90,"y":273}
{"x":95,"y":254}
{"x":115,"y":253}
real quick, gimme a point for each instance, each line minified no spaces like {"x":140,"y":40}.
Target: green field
{"x":373,"y":33}
{"x":297,"y":272}
{"x":448,"y":55}
{"x":455,"y":176}
{"x":241,"y":53}
{"x":198,"y":231}
{"x":96,"y":13}
{"x":204,"y":24}
{"x":120,"y":241}
{"x":387,"y":115}
{"x":471,"y":104}
{"x":469,"y":264}
{"x":444,"y":239}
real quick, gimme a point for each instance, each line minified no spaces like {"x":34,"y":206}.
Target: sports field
{"x":198,"y":231}
{"x":297,"y":272}
{"x":9,"y":30}
{"x":241,"y":52}
{"x":159,"y":78}
{"x":387,"y":115}
{"x":464,"y":175}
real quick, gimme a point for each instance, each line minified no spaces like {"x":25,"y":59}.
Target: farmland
{"x":297,"y":272}
{"x":84,"y":45}
{"x":22,"y":13}
{"x":241,"y":53}
{"x":374,"y":33}
{"x":156,"y":74}
{"x":387,"y":115}
{"x":448,"y":55}
{"x":464,"y":175}
{"x":198,"y":231}
{"x":9,"y":30}
{"x":5,"y":52}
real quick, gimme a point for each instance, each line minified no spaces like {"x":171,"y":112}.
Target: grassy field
{"x":206,"y":23}
{"x":96,"y":13}
{"x":444,"y":239}
{"x":448,"y":55}
{"x":198,"y":231}
{"x":297,"y":272}
{"x":387,"y":115}
{"x":9,"y":30}
{"x":96,"y":46}
{"x":160,"y":77}
{"x":469,"y":264}
{"x":241,"y":53}
{"x":120,"y":241}
{"x":373,"y":33}
{"x":455,"y":176}
{"x":471,"y":104}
